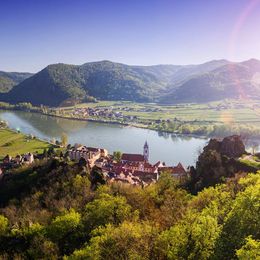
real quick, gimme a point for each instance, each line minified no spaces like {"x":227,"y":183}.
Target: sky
{"x":35,"y":33}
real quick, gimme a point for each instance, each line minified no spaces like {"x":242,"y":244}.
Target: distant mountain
{"x":107,"y":80}
{"x":9,"y":79}
{"x":104,"y":80}
{"x":232,"y":80}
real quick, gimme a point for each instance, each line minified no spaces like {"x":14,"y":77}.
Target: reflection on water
{"x":165,"y":147}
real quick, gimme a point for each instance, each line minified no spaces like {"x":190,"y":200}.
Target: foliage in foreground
{"x":51,"y":211}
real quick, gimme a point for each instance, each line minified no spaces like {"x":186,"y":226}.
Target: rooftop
{"x":132,"y":157}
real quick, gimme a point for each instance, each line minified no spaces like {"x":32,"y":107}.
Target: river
{"x":165,"y":147}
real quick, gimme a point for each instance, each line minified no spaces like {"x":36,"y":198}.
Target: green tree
{"x":65,"y":231}
{"x":242,"y":221}
{"x":97,"y":177}
{"x":251,"y":250}
{"x":64,"y":139}
{"x":106,"y":209}
{"x":3,"y":225}
{"x":117,"y":155}
{"x":130,"y":240}
{"x":51,"y":151}
{"x":193,"y":238}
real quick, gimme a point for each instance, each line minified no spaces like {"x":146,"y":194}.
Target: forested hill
{"x":51,"y":211}
{"x":233,"y":80}
{"x":214,"y":80}
{"x":9,"y":79}
{"x":103,"y":80}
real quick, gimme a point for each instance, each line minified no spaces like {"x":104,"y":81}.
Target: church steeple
{"x":146,"y":151}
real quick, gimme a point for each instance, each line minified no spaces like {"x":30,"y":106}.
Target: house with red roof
{"x":128,"y":157}
{"x":178,"y":171}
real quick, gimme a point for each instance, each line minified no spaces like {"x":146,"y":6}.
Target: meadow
{"x":214,"y":119}
{"x":227,"y":111}
{"x":14,"y":143}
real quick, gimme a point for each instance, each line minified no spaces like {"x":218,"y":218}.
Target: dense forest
{"x":59,"y":209}
{"x":10,"y":79}
{"x":106,"y":80}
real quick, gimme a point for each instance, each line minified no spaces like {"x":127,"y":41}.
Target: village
{"x":103,"y":112}
{"x":116,"y":113}
{"x":134,"y":169}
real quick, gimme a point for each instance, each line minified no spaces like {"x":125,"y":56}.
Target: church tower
{"x":146,"y":151}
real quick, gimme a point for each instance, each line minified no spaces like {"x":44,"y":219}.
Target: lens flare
{"x":234,"y":76}
{"x":238,"y":25}
{"x":227,"y":117}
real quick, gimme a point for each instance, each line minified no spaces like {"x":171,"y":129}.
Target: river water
{"x":165,"y":147}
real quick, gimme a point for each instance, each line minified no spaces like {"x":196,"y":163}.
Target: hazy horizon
{"x":141,"y":65}
{"x":38,"y":33}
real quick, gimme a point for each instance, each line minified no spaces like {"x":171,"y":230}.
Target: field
{"x":218,"y":119}
{"x":13,"y":143}
{"x":228,"y":112}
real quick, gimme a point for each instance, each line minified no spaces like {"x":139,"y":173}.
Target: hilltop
{"x":106,"y":80}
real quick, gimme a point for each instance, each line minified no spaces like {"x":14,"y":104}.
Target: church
{"x":137,"y":158}
{"x":136,"y":169}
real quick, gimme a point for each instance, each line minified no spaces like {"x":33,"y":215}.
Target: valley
{"x":213,"y":119}
{"x":130,"y":130}
{"x":113,"y":137}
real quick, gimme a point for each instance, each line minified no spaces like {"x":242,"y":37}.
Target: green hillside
{"x":106,"y":80}
{"x":9,"y":79}
{"x":234,"y":80}
{"x":103,"y":80}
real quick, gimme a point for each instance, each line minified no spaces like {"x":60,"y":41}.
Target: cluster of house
{"x":105,"y":112}
{"x":10,"y":162}
{"x":131,"y":168}
{"x":90,"y":154}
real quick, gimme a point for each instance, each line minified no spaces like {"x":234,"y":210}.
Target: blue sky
{"x":40,"y":32}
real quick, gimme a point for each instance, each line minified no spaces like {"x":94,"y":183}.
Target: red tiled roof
{"x":157,"y":164}
{"x":92,"y":149}
{"x":132,"y":157}
{"x":179,"y":169}
{"x":143,"y":174}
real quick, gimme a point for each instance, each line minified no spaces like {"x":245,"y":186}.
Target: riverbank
{"x":110,"y":122}
{"x":217,"y":119}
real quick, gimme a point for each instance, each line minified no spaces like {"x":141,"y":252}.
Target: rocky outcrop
{"x":218,"y":161}
{"x":231,"y":146}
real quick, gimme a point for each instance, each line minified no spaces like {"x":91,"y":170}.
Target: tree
{"x":106,"y":209}
{"x":242,"y":221}
{"x":97,"y":177}
{"x":61,"y":225}
{"x":45,"y":154}
{"x":82,"y":162}
{"x":193,"y":238}
{"x":50,"y":151}
{"x":130,"y":240}
{"x":3,"y":225}
{"x":251,"y":250}
{"x":65,"y":230}
{"x":64,"y":139}
{"x":117,"y":155}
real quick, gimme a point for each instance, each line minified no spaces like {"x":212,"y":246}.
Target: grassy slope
{"x":13,"y":143}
